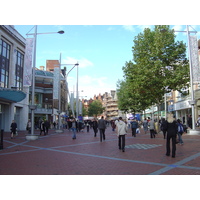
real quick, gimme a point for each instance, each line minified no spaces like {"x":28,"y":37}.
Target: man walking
{"x":121,"y":132}
{"x":102,"y":128}
{"x":134,"y":126}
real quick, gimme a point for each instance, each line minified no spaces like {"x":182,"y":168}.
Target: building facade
{"x":50,"y":92}
{"x":13,"y":94}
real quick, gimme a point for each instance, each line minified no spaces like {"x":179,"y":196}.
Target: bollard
{"x":1,"y":138}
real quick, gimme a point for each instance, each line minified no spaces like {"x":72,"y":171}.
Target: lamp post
{"x":75,"y":65}
{"x":59,"y":92}
{"x":77,"y":98}
{"x":192,"y":102}
{"x":33,"y":106}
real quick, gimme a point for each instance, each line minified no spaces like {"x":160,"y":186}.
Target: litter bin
{"x":1,"y":138}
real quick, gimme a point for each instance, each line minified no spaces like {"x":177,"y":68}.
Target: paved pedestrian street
{"x":59,"y":154}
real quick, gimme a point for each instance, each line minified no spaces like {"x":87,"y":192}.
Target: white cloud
{"x":129,"y":28}
{"x":83,"y":62}
{"x":178,"y":28}
{"x":142,"y":27}
{"x":90,"y":86}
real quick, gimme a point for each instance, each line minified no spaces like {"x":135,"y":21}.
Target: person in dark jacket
{"x":134,"y":126}
{"x":163,"y":127}
{"x":102,"y":128}
{"x":95,"y":127}
{"x":13,"y":129}
{"x":172,"y":129}
{"x":190,"y":121}
{"x":47,"y":126}
{"x":42,"y":128}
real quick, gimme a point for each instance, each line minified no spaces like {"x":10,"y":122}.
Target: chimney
{"x":42,"y":68}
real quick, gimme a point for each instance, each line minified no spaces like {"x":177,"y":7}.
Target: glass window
{"x":19,"y":70}
{"x":4,"y":63}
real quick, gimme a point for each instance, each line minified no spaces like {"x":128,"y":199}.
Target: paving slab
{"x":59,"y":154}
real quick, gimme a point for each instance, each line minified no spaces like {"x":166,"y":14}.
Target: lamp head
{"x":61,"y":32}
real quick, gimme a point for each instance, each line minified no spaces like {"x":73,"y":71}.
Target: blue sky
{"x":100,"y":50}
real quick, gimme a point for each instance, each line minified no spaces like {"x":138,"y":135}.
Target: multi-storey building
{"x":13,"y":94}
{"x":111,"y":106}
{"x":47,"y":92}
{"x":109,"y":102}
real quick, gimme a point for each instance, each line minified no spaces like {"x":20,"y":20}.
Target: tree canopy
{"x":159,"y":66}
{"x":95,"y":108}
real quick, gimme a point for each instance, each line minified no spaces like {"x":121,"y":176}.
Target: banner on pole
{"x":194,"y":58}
{"x":28,"y":61}
{"x":56,"y":83}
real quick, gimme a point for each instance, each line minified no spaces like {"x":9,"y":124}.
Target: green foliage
{"x":95,"y":108}
{"x":159,"y":66}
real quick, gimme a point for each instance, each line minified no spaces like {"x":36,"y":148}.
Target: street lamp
{"x":32,"y":106}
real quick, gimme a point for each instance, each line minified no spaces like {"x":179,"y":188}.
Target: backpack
{"x":180,"y":128}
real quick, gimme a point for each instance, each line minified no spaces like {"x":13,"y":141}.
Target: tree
{"x":159,"y":66}
{"x":95,"y":108}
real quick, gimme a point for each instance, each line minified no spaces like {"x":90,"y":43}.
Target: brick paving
{"x":58,"y":154}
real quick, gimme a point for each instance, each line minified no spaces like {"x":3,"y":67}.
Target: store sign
{"x":170,"y":108}
{"x":182,"y":105}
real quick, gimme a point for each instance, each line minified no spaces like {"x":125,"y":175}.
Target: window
{"x":19,"y":70}
{"x":4,"y":63}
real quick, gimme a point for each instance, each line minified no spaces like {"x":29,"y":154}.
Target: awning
{"x":12,"y":96}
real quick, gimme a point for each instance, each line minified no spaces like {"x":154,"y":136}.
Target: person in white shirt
{"x":121,"y":132}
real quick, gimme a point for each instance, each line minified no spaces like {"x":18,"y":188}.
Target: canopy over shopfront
{"x":11,"y":95}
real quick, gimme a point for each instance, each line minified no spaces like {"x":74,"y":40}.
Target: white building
{"x":13,"y":95}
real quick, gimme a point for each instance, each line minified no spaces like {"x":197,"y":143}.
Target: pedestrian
{"x":13,"y":129}
{"x":54,"y":125}
{"x":129,"y":123}
{"x":198,"y":121}
{"x":152,"y":128}
{"x":88,"y":126}
{"x":95,"y":127}
{"x":121,"y":132}
{"x":145,"y":125}
{"x":73,"y":127}
{"x":180,"y":131}
{"x":163,"y":127}
{"x":42,"y":127}
{"x":190,"y":121}
{"x":134,"y":126}
{"x":156,"y":126}
{"x":113,"y":125}
{"x":172,"y":129}
{"x":47,"y":126}
{"x":28,"y":126}
{"x":102,"y":128}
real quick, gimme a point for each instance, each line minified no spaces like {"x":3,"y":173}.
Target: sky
{"x":100,"y":50}
{"x":99,"y":35}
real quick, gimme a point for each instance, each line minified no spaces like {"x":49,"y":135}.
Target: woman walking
{"x":180,"y":131}
{"x":13,"y":129}
{"x":73,"y":128}
{"x":95,"y":127}
{"x":152,"y":128}
{"x":145,"y":125}
{"x":172,"y":129}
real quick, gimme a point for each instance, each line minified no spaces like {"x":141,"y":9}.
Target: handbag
{"x":137,"y":130}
